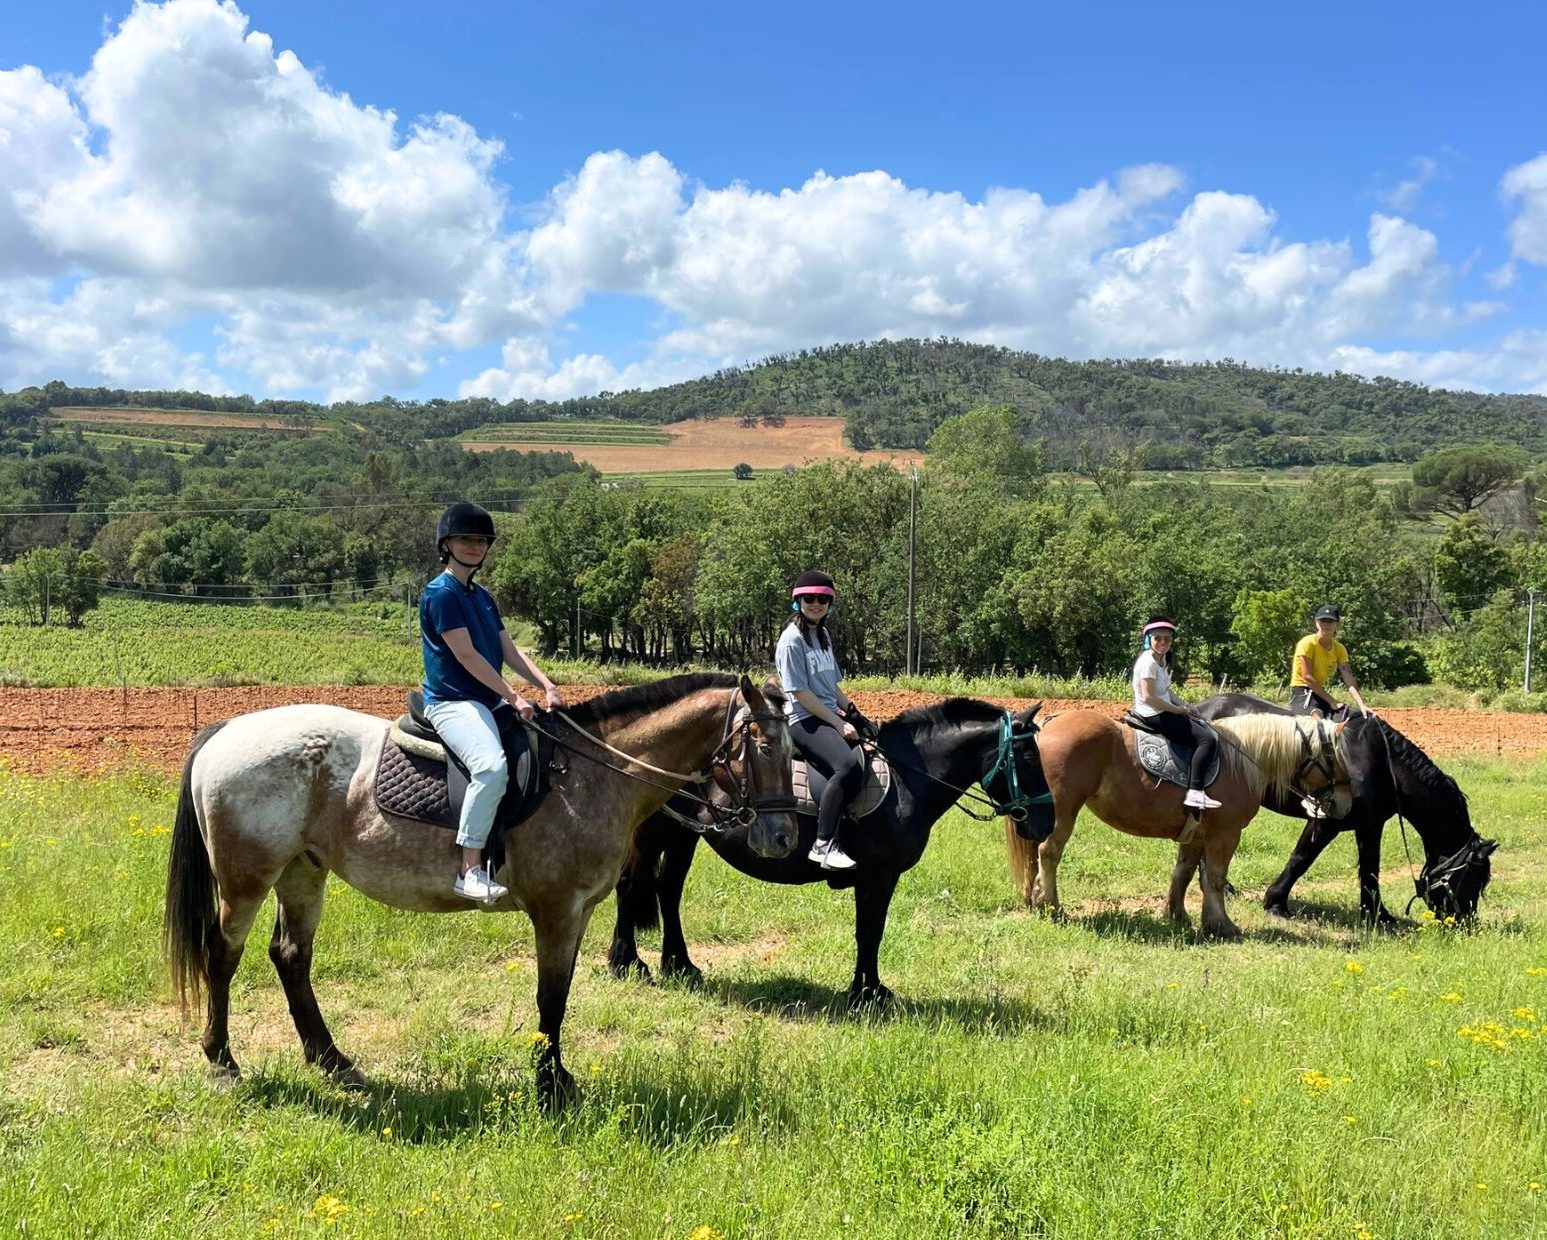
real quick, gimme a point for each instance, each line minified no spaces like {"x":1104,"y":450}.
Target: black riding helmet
{"x":462,"y":520}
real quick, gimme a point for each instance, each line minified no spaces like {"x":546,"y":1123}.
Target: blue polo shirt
{"x":447,"y":604}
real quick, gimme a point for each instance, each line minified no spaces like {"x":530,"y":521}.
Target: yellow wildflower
{"x":704,"y":1232}
{"x":1352,"y":966}
{"x":1451,"y":997}
{"x":1523,"y":1013}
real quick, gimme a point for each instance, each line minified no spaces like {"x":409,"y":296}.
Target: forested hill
{"x":894,"y":394}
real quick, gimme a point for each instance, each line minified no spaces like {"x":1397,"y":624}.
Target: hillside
{"x":892,"y":394}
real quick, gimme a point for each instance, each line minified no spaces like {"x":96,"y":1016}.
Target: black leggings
{"x":1185,"y":728}
{"x":1302,"y":701}
{"x":823,"y":746}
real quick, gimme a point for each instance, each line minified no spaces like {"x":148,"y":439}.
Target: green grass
{"x":566,"y":432}
{"x":1100,"y":1076}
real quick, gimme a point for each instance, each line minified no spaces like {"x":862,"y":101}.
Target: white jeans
{"x":469,"y":730}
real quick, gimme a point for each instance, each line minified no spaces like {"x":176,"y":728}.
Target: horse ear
{"x":750,"y":693}
{"x":1487,"y":847}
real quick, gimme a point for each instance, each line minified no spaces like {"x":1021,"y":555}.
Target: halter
{"x":1320,"y":757}
{"x":738,"y":724}
{"x":1018,"y":805}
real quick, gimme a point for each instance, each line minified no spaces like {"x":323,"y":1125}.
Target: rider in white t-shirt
{"x":1167,"y":713}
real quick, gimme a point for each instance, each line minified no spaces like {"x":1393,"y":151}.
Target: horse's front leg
{"x":1312,"y":842}
{"x":1220,"y":843}
{"x":557,"y":933}
{"x":1044,"y":893}
{"x":872,"y":900}
{"x":1367,"y":836}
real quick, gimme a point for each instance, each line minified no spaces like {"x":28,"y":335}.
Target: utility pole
{"x":910,"y":661}
{"x":1530,"y":633}
{"x":46,"y":580}
{"x":577,"y":628}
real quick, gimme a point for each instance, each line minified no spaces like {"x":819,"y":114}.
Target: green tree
{"x":983,"y":444}
{"x":1455,"y":481}
{"x":48,"y":582}
{"x":1266,"y":626}
{"x":294,"y":553}
{"x":1469,"y":565}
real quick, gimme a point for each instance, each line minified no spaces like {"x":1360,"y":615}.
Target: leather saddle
{"x":419,"y":778}
{"x":807,"y":784}
{"x":1164,"y":758}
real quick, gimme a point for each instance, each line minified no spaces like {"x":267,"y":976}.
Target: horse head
{"x":1014,"y":777}
{"x":754,"y":768}
{"x":1323,"y":775}
{"x":1452,"y":886}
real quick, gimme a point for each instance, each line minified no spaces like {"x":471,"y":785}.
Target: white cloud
{"x":1404,"y":196}
{"x":197,"y":173}
{"x":1527,"y":232}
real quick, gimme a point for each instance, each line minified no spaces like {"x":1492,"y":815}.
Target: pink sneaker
{"x":1196,"y":798}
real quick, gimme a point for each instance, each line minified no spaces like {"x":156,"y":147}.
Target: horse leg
{"x":1219,"y":847}
{"x":226,"y":942}
{"x":1044,"y":893}
{"x":1188,"y":857}
{"x":558,"y":933}
{"x":299,"y":893}
{"x":1372,"y":908}
{"x":1312,"y":842}
{"x":636,"y":904}
{"x":675,"y":863}
{"x":872,"y":900}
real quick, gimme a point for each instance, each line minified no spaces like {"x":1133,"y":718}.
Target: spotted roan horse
{"x":279,"y":799}
{"x":1091,"y":761}
{"x":1390,"y":775}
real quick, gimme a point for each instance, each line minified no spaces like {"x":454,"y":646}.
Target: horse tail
{"x":189,"y":917}
{"x":1022,"y":856}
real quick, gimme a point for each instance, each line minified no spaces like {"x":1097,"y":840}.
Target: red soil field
{"x":92,"y":730}
{"x":715,"y":443}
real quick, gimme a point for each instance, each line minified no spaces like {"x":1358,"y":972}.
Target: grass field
{"x":1100,"y":1076}
{"x":692,"y":479}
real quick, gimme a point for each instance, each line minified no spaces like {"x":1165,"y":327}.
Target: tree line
{"x":895,"y":394}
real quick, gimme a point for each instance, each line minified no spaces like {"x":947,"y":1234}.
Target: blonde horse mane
{"x":1265,"y":751}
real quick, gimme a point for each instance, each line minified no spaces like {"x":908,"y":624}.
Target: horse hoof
{"x":557,"y":1091}
{"x":684,"y":972}
{"x":875,"y":998}
{"x":1279,"y":912}
{"x":623,"y":969}
{"x":349,"y":1077}
{"x":223,"y":1076}
{"x":1227,"y":933}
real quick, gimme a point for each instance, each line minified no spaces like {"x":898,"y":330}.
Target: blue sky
{"x":620,"y":194}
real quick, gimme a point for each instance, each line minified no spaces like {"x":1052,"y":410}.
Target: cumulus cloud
{"x":1526,"y":185}
{"x":198,"y":173}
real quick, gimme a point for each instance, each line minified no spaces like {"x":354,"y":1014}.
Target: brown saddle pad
{"x":878,"y":782}
{"x":414,"y":780}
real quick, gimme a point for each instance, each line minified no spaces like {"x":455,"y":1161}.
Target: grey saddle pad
{"x":808,"y":784}
{"x":1168,"y":761}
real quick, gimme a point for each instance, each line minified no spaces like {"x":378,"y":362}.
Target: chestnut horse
{"x":278,"y":799}
{"x":1089,"y":760}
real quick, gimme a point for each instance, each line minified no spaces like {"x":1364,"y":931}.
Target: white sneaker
{"x":478,"y":884}
{"x":829,"y":856}
{"x":1196,"y":798}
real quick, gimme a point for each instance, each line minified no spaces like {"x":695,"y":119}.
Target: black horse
{"x":936,"y":752}
{"x":1390,"y":775}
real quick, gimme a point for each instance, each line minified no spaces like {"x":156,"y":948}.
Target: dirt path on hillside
{"x":105,"y":729}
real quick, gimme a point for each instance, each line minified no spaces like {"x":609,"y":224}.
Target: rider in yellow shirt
{"x":1317,"y":656}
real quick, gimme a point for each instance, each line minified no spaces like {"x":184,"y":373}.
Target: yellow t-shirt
{"x":1323,"y":662}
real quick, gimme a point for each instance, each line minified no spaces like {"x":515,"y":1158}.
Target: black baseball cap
{"x":1328,"y":612}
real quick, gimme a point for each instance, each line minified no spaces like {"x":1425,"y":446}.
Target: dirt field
{"x":106,"y":729}
{"x":716,"y":443}
{"x":176,"y":417}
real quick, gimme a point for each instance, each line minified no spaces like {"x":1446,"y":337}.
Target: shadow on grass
{"x":799,"y":999}
{"x":650,"y":1102}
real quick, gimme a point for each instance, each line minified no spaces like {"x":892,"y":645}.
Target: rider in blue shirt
{"x":465,"y":645}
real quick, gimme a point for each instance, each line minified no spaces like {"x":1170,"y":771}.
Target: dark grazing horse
{"x":937,"y":752}
{"x":1390,"y":775}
